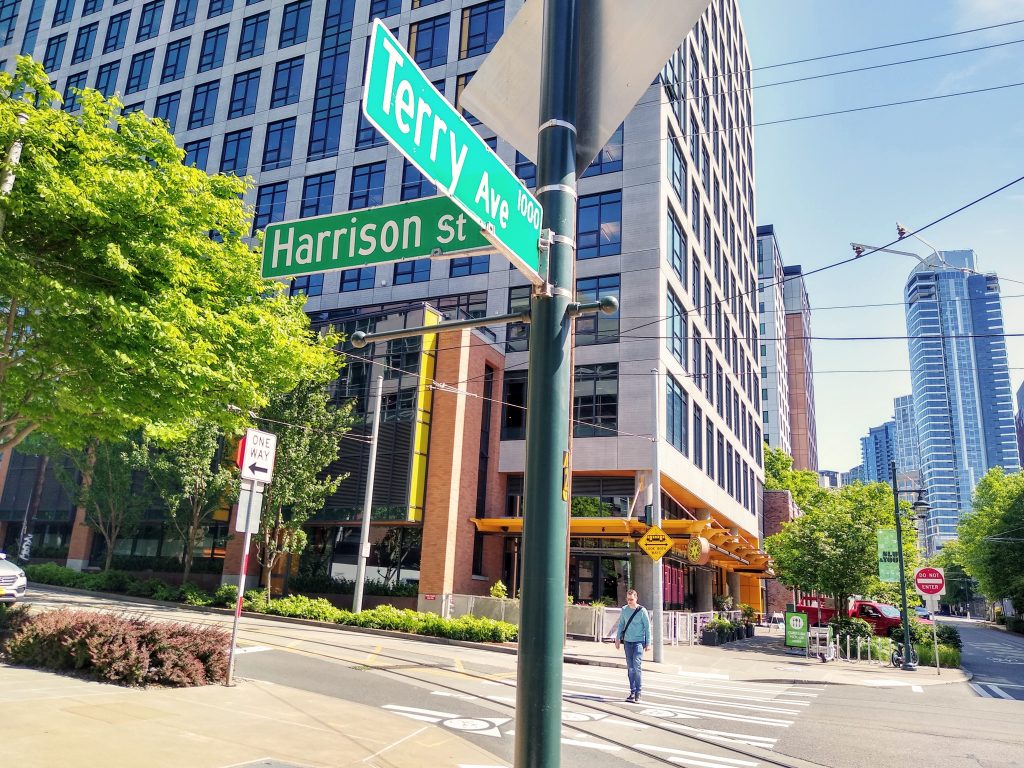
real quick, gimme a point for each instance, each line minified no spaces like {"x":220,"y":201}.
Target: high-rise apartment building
{"x":1020,"y":421}
{"x":877,"y":451}
{"x":963,"y":405}
{"x":771,"y":308}
{"x":272,"y":89}
{"x":800,"y":369}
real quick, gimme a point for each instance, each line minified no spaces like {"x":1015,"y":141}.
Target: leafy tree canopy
{"x":129,"y":298}
{"x":779,"y":475}
{"x":991,"y":537}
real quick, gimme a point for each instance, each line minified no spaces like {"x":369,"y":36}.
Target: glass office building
{"x":962,"y":402}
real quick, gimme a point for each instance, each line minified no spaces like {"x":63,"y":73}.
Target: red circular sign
{"x":929,"y":581}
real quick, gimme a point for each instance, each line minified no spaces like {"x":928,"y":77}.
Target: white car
{"x":12,"y":581}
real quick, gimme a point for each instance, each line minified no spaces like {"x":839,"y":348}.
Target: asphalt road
{"x":996,"y":659}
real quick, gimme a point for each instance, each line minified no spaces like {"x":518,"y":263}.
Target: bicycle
{"x":896,"y":659}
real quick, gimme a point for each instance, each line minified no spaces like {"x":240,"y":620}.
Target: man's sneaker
{"x":636,"y":698}
{"x":630,"y":699}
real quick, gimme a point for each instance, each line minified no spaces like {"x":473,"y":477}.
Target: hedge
{"x":472,"y":628}
{"x":116,"y":649}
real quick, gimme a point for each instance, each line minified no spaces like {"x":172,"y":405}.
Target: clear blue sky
{"x":827,"y":182}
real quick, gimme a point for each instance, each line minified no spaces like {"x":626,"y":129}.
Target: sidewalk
{"x":762,"y":658}
{"x":51,"y":719}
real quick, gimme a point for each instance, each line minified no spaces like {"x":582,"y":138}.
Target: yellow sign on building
{"x":655,"y":543}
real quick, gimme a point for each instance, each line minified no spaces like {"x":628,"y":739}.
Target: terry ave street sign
{"x":402,"y":104}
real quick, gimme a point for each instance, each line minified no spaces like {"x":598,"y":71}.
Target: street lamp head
{"x":920,"y":508}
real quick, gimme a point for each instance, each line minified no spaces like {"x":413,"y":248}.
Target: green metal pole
{"x":907,"y":647}
{"x":546,"y":511}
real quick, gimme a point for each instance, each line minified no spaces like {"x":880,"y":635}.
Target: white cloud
{"x":979,"y":13}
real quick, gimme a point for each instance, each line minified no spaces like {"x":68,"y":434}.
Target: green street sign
{"x":402,"y":104}
{"x":888,"y":556}
{"x":796,"y":630}
{"x":411,"y":230}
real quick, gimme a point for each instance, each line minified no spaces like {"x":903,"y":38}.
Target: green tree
{"x":115,"y":499}
{"x":779,"y":475}
{"x":191,"y":482}
{"x":959,"y":584}
{"x":991,"y":537}
{"x":128,"y":296}
{"x":395,"y":547}
{"x":309,"y":433}
{"x":831,"y":549}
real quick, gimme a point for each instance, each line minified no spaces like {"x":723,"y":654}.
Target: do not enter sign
{"x":930,"y":581}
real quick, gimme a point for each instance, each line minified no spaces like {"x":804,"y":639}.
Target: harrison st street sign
{"x":401,"y":103}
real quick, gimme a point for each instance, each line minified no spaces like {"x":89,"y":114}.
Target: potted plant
{"x":709,"y":634}
{"x":739,"y":629}
{"x":723,"y":602}
{"x":748,"y":618}
{"x":722,"y":628}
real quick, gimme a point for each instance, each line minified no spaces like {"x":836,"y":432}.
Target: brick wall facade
{"x":779,"y":508}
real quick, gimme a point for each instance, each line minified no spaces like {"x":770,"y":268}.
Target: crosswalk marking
{"x":999,"y":691}
{"x":683,"y":757}
{"x":980,"y":691}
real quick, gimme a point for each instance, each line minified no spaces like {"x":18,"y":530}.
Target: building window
{"x":270,"y":204}
{"x":308,"y":285}
{"x":599,"y":225}
{"x":204,"y":105}
{"x":244,"y":91}
{"x":72,"y":86}
{"x":175,"y":59}
{"x":84,"y":43}
{"x":184,"y":14}
{"x":287,"y":82}
{"x":610,"y":158}
{"x":53,"y":59}
{"x":197,"y":153}
{"x":513,"y":405}
{"x":469,"y":265}
{"x":138,"y":72}
{"x":428,"y":41}
{"x":167,"y":109}
{"x":677,"y":171}
{"x":526,"y":170}
{"x":329,"y":96}
{"x":149,"y":20}
{"x":317,"y":194}
{"x":277,"y":147}
{"x":482,"y":25}
{"x":253,"y":39}
{"x":423,"y":3}
{"x":384,"y":8}
{"x":219,"y":8}
{"x":234,"y":157}
{"x":91,"y":6}
{"x":595,"y":406}
{"x":117,"y":32}
{"x":295,"y":23}
{"x":677,"y":415}
{"x":677,"y":247}
{"x":417,"y":271}
{"x":215,"y":43}
{"x":460,"y":85}
{"x":367,"y":185}
{"x":63,"y":11}
{"x":517,"y":335}
{"x":358,"y":279}
{"x":698,"y":437}
{"x":676,"y":317}
{"x":366,"y":135}
{"x":597,"y":327}
{"x":106,"y":79}
{"x":720,"y":469}
{"x":414,"y":183}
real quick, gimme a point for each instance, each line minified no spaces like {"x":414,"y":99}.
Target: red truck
{"x":882,"y":617}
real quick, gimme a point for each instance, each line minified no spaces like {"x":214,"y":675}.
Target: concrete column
{"x":704,"y":579}
{"x":732,"y":580}
{"x":643,"y":577}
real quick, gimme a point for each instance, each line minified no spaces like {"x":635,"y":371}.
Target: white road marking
{"x":460,"y":696}
{"x":591,"y":745}
{"x":400,"y":709}
{"x":682,"y":754}
{"x":1000,"y":692}
{"x":252,"y":649}
{"x":917,"y":689}
{"x":708,"y":675}
{"x":981,"y":691}
{"x":393,"y":744}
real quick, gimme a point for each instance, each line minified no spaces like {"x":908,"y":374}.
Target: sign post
{"x":930,"y":583}
{"x":400,"y":102}
{"x":256,"y":454}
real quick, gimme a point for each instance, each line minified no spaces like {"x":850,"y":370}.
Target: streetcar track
{"x":712,"y":739}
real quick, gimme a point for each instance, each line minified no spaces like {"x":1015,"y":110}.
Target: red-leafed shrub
{"x":117,"y":649}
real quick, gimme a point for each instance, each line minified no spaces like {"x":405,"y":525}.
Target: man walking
{"x":634,"y":632}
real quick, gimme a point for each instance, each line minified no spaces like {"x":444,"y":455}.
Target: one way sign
{"x":256,"y":456}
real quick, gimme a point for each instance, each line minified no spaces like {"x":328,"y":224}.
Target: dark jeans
{"x":634,"y":655}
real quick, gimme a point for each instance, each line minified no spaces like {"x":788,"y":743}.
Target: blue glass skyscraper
{"x":877,"y":450}
{"x":963,"y":405}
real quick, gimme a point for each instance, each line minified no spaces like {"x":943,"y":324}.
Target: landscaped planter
{"x":709,"y":637}
{"x":750,"y":630}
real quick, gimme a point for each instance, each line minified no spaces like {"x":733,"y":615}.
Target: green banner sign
{"x":412,"y":230}
{"x":888,"y":556}
{"x":796,"y":630}
{"x":400,"y":101}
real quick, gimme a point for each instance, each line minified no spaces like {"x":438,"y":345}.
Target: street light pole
{"x":907,"y":647}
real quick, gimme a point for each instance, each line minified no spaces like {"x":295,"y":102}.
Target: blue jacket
{"x":639,"y":629}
